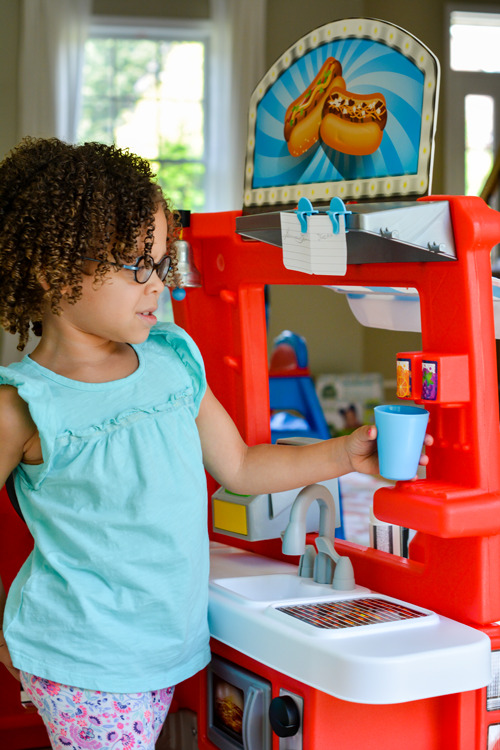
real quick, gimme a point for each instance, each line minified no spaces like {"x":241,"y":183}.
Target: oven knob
{"x":284,"y":716}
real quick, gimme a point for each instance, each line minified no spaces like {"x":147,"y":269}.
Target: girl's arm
{"x":17,"y":432}
{"x":273,"y":468}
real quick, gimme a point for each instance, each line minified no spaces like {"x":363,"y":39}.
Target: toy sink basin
{"x":279,"y":587}
{"x":290,"y":624}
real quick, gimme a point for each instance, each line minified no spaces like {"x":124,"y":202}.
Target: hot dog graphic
{"x":349,"y":123}
{"x":303,"y":116}
{"x":353,"y":124}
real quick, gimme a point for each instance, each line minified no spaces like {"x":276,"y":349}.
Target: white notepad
{"x":317,"y":251}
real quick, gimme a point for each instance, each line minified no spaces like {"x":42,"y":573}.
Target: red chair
{"x":20,"y":728}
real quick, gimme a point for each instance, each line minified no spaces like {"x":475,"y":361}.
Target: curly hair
{"x":60,"y":203}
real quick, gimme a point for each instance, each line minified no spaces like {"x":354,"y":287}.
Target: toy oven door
{"x":238,"y":707}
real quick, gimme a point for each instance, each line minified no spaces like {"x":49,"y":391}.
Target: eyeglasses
{"x":144,"y":267}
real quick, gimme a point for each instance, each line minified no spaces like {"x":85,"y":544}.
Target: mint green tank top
{"x":114,"y":595}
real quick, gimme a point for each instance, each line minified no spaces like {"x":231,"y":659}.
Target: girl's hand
{"x":5,"y":658}
{"x":361,"y":447}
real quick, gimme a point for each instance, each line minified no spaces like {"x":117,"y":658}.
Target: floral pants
{"x":90,"y":720}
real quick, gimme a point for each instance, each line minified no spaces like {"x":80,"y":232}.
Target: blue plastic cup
{"x":400,"y":437}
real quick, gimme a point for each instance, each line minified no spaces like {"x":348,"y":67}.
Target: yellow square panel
{"x":230,"y":517}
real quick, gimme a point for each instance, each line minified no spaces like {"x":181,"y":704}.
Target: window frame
{"x":459,"y":84}
{"x":168,"y":29}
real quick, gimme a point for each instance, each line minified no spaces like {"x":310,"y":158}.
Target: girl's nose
{"x":154,"y":283}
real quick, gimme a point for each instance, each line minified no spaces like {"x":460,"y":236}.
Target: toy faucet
{"x":327,"y":566}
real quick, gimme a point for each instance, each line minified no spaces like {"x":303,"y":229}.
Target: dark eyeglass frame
{"x":149,"y":265}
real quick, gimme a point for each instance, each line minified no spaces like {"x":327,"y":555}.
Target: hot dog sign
{"x":347,"y":122}
{"x":348,"y":111}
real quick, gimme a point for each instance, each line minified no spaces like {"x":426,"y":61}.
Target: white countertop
{"x":393,"y":662}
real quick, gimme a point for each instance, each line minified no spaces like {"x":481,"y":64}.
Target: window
{"x":479,"y":140}
{"x":473,"y":100}
{"x":474,"y":41}
{"x":144,"y":88}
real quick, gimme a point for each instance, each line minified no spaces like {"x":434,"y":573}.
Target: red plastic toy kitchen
{"x":409,"y":655}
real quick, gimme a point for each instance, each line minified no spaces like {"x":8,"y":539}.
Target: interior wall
{"x":152,"y":8}
{"x":429,"y":26}
{"x":10,"y":12}
{"x":336,"y":342}
{"x":334,"y":337}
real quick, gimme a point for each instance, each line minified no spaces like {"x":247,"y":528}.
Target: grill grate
{"x":351,"y":613}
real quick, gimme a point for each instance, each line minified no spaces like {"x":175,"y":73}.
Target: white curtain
{"x":237,"y":63}
{"x":51,"y":63}
{"x":53,"y":34}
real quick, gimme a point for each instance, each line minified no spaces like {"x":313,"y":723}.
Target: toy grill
{"x":351,"y":613}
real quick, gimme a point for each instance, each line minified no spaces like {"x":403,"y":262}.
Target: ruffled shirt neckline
{"x":82,"y":385}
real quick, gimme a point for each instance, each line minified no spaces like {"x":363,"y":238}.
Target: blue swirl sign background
{"x":368,"y":67}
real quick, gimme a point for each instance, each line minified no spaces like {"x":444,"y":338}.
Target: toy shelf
{"x":439,"y":508}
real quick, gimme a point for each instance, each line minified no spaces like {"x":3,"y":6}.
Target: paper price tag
{"x":317,"y":251}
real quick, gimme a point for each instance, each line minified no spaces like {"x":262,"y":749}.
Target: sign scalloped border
{"x":392,"y":187}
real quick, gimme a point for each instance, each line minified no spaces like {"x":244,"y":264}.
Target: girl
{"x":108,"y":426}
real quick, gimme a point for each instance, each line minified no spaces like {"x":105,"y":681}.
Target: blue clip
{"x":305,"y":209}
{"x":337,"y":208}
